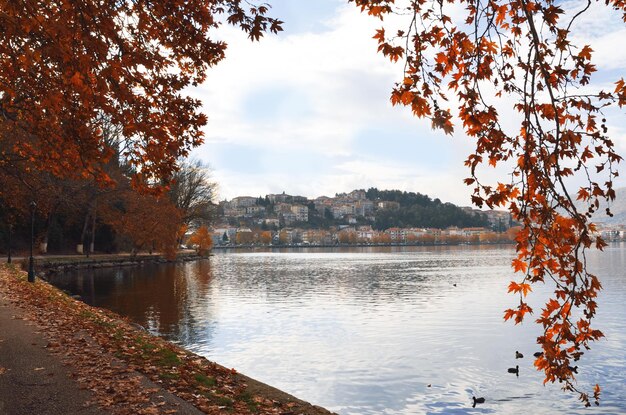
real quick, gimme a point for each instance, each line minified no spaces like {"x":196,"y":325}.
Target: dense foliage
{"x":420,"y":211}
{"x":65,"y":65}
{"x":72,"y":212}
{"x":402,"y":197}
{"x":435,"y":215}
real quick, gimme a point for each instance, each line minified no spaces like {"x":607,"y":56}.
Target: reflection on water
{"x":368,"y":331}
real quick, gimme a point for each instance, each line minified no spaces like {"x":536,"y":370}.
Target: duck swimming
{"x":477,"y":400}
{"x":514,"y":370}
{"x":518,"y":355}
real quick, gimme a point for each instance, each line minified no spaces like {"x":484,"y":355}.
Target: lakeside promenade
{"x":61,"y":356}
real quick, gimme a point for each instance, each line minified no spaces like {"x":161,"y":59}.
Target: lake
{"x":397,"y":330}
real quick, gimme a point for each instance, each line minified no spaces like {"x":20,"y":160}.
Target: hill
{"x":409,"y":209}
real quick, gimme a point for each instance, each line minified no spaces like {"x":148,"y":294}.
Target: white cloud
{"x":444,"y":184}
{"x":306,"y":98}
{"x":601,"y":27}
{"x":336,"y":73}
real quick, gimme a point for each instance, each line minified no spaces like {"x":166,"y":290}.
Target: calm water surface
{"x":369,"y":331}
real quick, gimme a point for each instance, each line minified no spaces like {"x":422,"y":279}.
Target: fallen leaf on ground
{"x":103,"y":352}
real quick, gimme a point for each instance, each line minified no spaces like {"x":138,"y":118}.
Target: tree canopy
{"x":66,"y":64}
{"x":192,"y":192}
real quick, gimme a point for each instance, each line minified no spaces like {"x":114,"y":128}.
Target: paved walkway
{"x":32,"y":381}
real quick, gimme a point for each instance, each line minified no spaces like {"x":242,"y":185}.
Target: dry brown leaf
{"x":90,"y":351}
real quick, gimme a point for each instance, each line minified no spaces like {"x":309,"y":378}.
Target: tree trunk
{"x":43,"y":246}
{"x":83,"y":234}
{"x":93,"y":228}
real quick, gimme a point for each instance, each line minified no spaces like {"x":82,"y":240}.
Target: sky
{"x":307,"y":111}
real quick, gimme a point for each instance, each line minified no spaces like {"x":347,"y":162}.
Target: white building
{"x":301,"y":212}
{"x":243,"y":201}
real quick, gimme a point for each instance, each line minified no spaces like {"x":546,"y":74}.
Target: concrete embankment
{"x":51,"y":264}
{"x":58,"y":355}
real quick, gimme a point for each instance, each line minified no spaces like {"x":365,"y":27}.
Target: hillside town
{"x":346,"y":218}
{"x":354,"y":219}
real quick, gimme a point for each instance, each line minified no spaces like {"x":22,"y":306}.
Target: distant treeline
{"x":420,"y":211}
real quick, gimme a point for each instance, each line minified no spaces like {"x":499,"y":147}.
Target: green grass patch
{"x":103,"y":323}
{"x":87,"y":314}
{"x":219,"y":400}
{"x":205,"y":380}
{"x":247,"y":398}
{"x":167,"y":358}
{"x":145,"y":346}
{"x":223,"y":401}
{"x":169,"y":376}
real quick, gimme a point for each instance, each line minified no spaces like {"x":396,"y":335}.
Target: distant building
{"x":364,"y":234}
{"x":301,"y":212}
{"x":316,"y":237}
{"x":340,"y":211}
{"x":357,"y":195}
{"x":499,"y":220}
{"x":397,"y":234}
{"x":302,"y":200}
{"x":288,"y":218}
{"x":223,"y":234}
{"x":416,"y":233}
{"x":244,"y":236}
{"x":473,"y":231}
{"x":234,"y":212}
{"x":286,"y":236}
{"x":278,"y":198}
{"x":255,"y":210}
{"x":386,"y":204}
{"x":282,"y":208}
{"x":364,"y":207}
{"x":243,"y":201}
{"x":272,"y":222}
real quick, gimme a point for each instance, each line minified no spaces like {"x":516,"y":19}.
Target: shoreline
{"x":394,"y":245}
{"x":208,"y":386}
{"x":49,"y":264}
{"x":46,"y":265}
